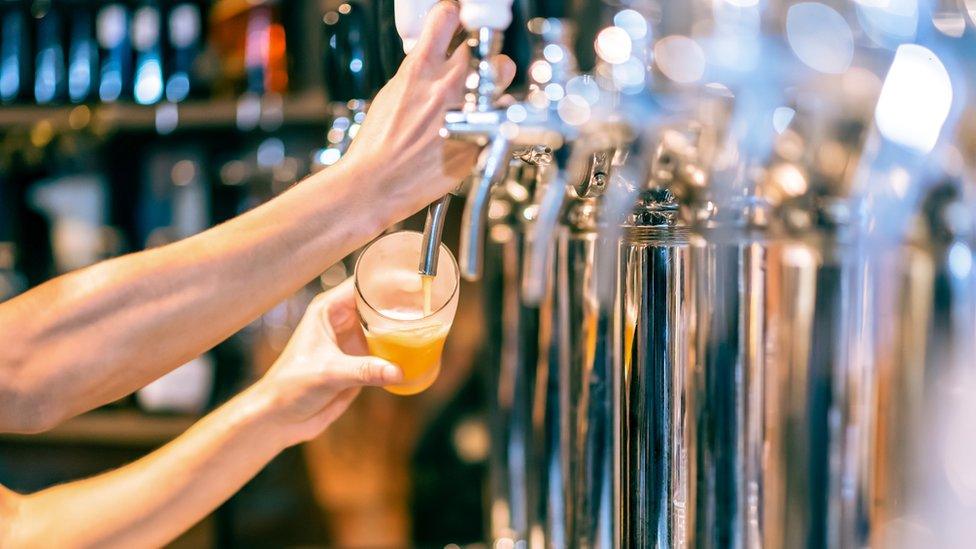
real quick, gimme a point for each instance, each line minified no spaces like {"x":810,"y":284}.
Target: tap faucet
{"x":478,"y":121}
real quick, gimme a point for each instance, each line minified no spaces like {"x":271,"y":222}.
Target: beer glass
{"x":406,"y":316}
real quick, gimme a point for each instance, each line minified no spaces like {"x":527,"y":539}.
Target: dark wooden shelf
{"x":309,"y":109}
{"x":111,"y":428}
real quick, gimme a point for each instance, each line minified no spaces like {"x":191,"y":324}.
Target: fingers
{"x":458,"y":69}
{"x":364,"y":371}
{"x":339,"y":305}
{"x":505,"y":69}
{"x":439,"y":27}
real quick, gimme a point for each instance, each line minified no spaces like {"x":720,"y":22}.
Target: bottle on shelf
{"x":50,"y":79}
{"x":82,"y":69}
{"x":16,"y":74}
{"x":115,"y":51}
{"x":146,"y":33}
{"x":184,"y":42}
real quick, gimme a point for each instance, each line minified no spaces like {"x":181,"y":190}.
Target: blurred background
{"x":785,"y":188}
{"x":127,"y":125}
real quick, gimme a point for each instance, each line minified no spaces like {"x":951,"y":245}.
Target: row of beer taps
{"x":734,"y":266}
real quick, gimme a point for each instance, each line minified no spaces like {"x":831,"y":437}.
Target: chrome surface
{"x":433,"y":229}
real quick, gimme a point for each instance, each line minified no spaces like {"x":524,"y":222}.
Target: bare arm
{"x":150,"y":502}
{"x":93,"y":336}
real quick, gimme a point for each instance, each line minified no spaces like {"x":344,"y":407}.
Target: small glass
{"x":403,"y":324}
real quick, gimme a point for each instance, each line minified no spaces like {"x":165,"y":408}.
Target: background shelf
{"x":245,"y":113}
{"x":128,"y":428}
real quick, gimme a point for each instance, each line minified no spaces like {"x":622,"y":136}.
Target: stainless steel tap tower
{"x":733,"y":266}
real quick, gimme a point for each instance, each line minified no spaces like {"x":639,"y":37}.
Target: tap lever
{"x":433,"y":228}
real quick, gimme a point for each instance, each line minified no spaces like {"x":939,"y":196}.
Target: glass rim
{"x":359,"y":290}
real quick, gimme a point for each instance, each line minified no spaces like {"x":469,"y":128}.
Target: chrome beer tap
{"x":656,"y":376}
{"x":519,"y":143}
{"x":515,"y":341}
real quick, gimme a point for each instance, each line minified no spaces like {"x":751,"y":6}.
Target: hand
{"x":400,"y":137}
{"x":323,"y":366}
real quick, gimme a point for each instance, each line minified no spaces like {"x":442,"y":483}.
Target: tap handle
{"x":409,"y":15}
{"x":350,"y":54}
{"x":474,"y":14}
{"x":486,"y":14}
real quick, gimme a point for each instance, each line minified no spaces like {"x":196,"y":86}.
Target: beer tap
{"x":476,"y":121}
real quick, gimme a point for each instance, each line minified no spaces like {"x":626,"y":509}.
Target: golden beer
{"x":417,"y":351}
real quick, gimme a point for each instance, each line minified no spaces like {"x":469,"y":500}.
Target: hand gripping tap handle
{"x":481,"y":18}
{"x":409,"y":16}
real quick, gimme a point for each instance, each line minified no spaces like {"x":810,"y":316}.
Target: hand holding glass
{"x":406,"y":317}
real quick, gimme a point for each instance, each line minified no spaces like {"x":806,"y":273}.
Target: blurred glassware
{"x":16,"y":64}
{"x":50,"y":78}
{"x":83,"y":69}
{"x":115,"y":51}
{"x":185,"y":33}
{"x":147,"y":41}
{"x":249,"y":39}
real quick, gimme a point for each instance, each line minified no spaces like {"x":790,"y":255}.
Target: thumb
{"x":353,"y":371}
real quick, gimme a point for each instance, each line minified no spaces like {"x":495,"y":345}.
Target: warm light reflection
{"x":613,"y":45}
{"x":915,"y":99}
{"x":789,"y":179}
{"x":860,"y":83}
{"x":540,"y":72}
{"x":680,"y":58}
{"x":574,"y":110}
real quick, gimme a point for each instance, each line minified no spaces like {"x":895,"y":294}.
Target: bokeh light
{"x":915,"y":99}
{"x":613,"y":45}
{"x":680,"y":58}
{"x":820,"y":37}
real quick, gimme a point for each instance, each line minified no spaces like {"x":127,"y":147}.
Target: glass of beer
{"x":406,"y":316}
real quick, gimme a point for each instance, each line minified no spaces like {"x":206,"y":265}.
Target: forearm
{"x":151,"y":501}
{"x":90,"y":337}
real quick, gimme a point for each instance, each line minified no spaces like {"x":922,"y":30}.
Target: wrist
{"x":371,"y":178}
{"x":258,"y":406}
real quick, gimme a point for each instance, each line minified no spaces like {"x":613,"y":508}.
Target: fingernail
{"x":391,"y":373}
